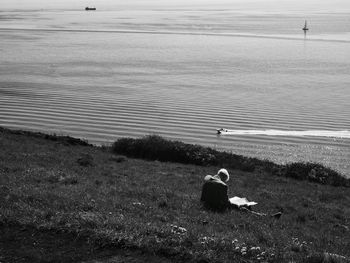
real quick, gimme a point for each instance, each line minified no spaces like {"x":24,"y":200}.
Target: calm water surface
{"x":182,"y":73}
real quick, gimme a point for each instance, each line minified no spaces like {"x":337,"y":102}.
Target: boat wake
{"x":345,"y":134}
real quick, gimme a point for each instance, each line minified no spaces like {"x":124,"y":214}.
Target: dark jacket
{"x":214,"y":194}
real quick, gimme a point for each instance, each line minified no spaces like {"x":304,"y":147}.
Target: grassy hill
{"x":63,"y":200}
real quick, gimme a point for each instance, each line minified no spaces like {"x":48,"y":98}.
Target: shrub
{"x":153,"y":147}
{"x":316,"y":173}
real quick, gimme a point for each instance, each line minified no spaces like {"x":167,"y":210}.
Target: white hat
{"x":225,"y":172}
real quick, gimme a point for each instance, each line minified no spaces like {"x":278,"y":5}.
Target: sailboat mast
{"x":305,"y":28}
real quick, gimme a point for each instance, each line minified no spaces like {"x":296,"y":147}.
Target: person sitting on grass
{"x":214,"y":194}
{"x":214,"y":191}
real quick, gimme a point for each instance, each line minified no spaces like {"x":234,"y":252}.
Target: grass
{"x":154,"y":147}
{"x":96,"y":201}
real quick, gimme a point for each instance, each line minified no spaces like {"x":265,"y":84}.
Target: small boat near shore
{"x":221,"y":130}
{"x":90,"y":8}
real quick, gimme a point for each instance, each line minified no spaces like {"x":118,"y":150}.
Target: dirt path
{"x":27,"y":244}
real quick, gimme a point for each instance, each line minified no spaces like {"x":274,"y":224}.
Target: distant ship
{"x":305,"y":28}
{"x":90,"y":8}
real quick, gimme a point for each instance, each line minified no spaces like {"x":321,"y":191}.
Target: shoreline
{"x":280,"y":150}
{"x":247,"y":163}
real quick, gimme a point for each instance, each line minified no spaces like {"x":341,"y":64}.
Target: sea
{"x":182,"y":70}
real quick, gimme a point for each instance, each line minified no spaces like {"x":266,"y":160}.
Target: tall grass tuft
{"x":154,"y":147}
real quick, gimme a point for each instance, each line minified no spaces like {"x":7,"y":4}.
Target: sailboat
{"x":305,"y":28}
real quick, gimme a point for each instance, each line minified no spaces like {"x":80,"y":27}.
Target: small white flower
{"x":182,"y":229}
{"x":178,"y":230}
